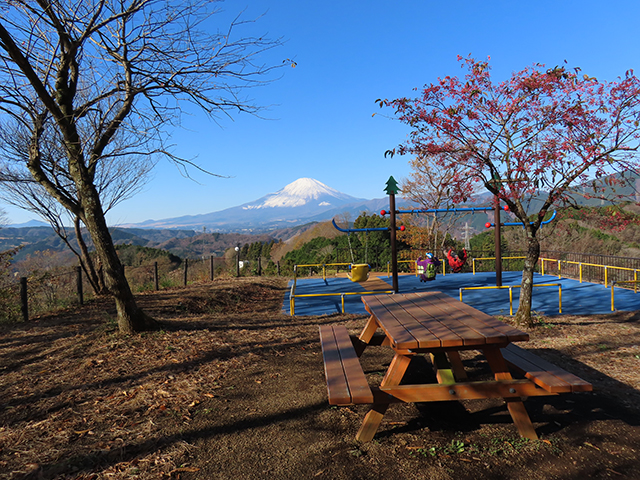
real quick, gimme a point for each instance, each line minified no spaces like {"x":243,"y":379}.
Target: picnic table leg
{"x":367,"y":334}
{"x":456,"y":365}
{"x":443,"y":369}
{"x":514,"y":404}
{"x":393,"y":377}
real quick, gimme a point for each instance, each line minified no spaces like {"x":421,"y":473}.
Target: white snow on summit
{"x":298,"y":193}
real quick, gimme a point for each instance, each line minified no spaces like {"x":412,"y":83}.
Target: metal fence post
{"x":211,"y":268}
{"x":79,"y":285}
{"x":155,"y":276}
{"x":186,"y":268}
{"x":24,"y":302}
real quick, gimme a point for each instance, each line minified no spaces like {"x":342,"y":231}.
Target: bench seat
{"x":544,"y":374}
{"x":346,"y":382}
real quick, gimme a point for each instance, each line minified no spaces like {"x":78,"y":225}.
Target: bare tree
{"x":115,"y":180}
{"x":109,"y":78}
{"x":4,"y":220}
{"x":428,"y":186}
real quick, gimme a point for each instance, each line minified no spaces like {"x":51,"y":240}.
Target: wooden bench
{"x":546,"y":375}
{"x":346,"y":382}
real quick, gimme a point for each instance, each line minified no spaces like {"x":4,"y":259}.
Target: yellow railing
{"x":416,"y":266}
{"x":511,"y":287}
{"x":323,"y":265}
{"x":473,"y":263}
{"x":613,"y":284}
{"x":293,"y":296}
{"x":607,"y":268}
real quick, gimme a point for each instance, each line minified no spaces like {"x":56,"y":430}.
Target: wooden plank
{"x":459,"y":391}
{"x":374,"y":283}
{"x":434,"y":332}
{"x":415,"y":325}
{"x":513,"y":334}
{"x":539,"y":370}
{"x":457,"y":321}
{"x":387,"y":319}
{"x":539,"y":376}
{"x":489,"y":325}
{"x":357,"y":384}
{"x":337,"y":389}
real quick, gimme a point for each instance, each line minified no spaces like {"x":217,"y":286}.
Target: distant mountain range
{"x":307,"y":200}
{"x":303,"y":201}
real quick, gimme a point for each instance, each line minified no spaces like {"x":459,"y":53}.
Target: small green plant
{"x":455,"y":447}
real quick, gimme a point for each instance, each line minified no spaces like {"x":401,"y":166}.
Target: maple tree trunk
{"x":131,"y":319}
{"x":523,"y":315}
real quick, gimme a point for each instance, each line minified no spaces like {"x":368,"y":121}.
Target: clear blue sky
{"x":348,"y":54}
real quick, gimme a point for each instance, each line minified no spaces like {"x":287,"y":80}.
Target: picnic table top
{"x":429,"y":320}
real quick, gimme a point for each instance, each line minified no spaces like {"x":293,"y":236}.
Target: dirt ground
{"x":232,"y":388}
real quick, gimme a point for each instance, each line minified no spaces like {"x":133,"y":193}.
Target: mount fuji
{"x":302,"y":201}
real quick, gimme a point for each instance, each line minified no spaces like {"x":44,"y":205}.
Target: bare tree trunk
{"x":523,"y":315}
{"x":86,"y":262}
{"x":131,"y":319}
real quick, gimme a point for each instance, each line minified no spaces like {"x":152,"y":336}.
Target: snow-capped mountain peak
{"x":305,"y":200}
{"x":299,"y":193}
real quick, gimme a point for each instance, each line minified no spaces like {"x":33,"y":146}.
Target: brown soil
{"x":232,"y":388}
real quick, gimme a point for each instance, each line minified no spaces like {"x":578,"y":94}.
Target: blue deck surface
{"x":577,"y":298}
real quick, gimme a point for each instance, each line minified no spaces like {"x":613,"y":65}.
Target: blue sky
{"x":348,"y":54}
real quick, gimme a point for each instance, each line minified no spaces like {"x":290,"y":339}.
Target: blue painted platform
{"x":577,"y":298}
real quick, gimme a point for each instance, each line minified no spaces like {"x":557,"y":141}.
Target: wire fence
{"x":37,"y":293}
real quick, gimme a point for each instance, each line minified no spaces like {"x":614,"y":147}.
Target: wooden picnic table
{"x":440,"y":326}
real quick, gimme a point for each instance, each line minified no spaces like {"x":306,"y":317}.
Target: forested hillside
{"x":609,"y":230}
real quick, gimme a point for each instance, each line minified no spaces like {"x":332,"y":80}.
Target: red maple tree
{"x":539,"y":134}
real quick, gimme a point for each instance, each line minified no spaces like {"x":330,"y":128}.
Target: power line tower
{"x":466,"y":229}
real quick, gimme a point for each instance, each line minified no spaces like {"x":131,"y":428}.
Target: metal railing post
{"x":24,"y":299}
{"x":79,"y":285}
{"x":580,"y":272}
{"x":612,"y":300}
{"x":510,"y":300}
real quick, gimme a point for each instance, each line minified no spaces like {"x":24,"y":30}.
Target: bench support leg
{"x":514,"y":404}
{"x":371,"y":422}
{"x":394,"y":375}
{"x":521,"y":418}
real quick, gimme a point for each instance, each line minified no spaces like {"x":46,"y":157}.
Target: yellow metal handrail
{"x":511,"y":287}
{"x":584,"y":264}
{"x":613,"y":284}
{"x":323,"y":265}
{"x":412,"y":261}
{"x":293,"y":297}
{"x":473,"y":262}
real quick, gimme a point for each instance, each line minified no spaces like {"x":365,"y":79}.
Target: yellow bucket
{"x":359,"y":272}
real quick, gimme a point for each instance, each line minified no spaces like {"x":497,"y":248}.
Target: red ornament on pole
{"x":402,"y":228}
{"x":488,"y":225}
{"x":383,"y":212}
